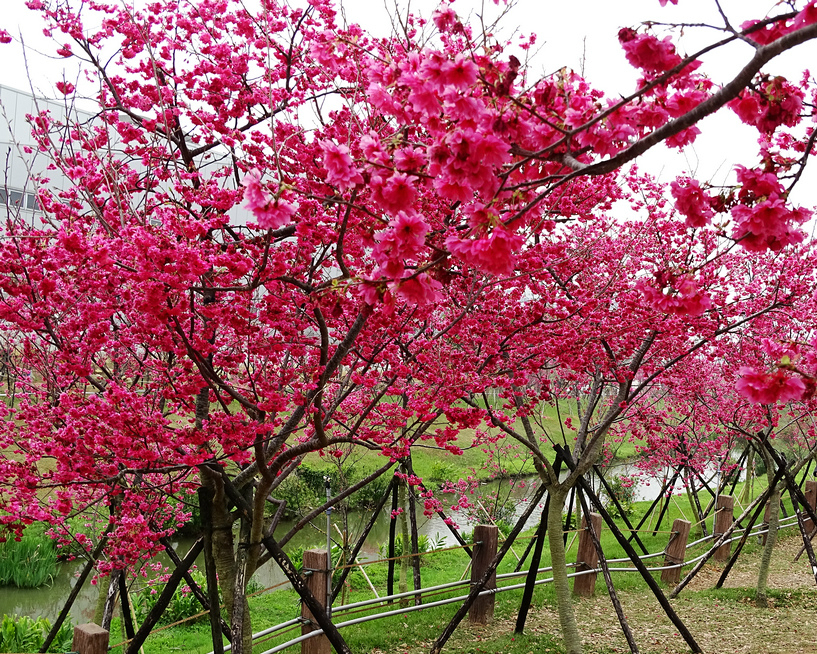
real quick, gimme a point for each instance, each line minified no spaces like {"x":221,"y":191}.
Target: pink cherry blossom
{"x":675,"y":295}
{"x":692,"y":202}
{"x":763,"y":388}
{"x":419,"y":290}
{"x":339,"y":165}
{"x":645,"y":51}
{"x":270,"y":212}
{"x":494,"y":254}
{"x":444,"y":17}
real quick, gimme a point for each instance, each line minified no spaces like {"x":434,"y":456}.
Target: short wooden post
{"x":587,"y":558}
{"x":315,"y":571}
{"x":676,"y":551}
{"x":811,"y":497}
{"x":90,"y":638}
{"x":724,"y":517}
{"x":485,"y":542}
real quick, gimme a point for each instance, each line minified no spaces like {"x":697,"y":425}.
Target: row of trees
{"x":424,"y":222}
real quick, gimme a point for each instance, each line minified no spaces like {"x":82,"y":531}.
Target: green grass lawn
{"x":480,"y":458}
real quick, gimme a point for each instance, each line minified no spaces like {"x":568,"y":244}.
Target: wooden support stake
{"x":702,"y":561}
{"x":415,"y":536}
{"x":164,"y":598}
{"x":747,"y":532}
{"x":90,"y":638}
{"x":392,"y":537}
{"x":663,"y":511}
{"x":676,"y":551}
{"x":811,"y":498}
{"x":316,"y":563}
{"x":806,"y":540}
{"x":485,"y":542}
{"x":587,"y":558}
{"x":124,"y":602}
{"x":476,"y":589}
{"x":621,"y":511}
{"x":359,"y":544}
{"x":533,"y":571}
{"x":608,"y":579}
{"x":724,"y":517}
{"x":86,"y":571}
{"x":648,"y":514}
{"x":628,"y":549}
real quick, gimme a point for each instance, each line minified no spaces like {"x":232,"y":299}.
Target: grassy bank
{"x":412,"y":632}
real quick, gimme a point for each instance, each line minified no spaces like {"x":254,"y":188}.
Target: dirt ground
{"x":719,"y":622}
{"x":722,"y":622}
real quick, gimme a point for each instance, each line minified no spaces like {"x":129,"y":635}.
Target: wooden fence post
{"x":90,"y":638}
{"x":724,"y":517}
{"x":316,"y":563}
{"x":587,"y":558}
{"x":811,"y":498}
{"x":676,"y":551}
{"x":485,"y":542}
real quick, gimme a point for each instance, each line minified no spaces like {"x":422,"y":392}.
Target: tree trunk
{"x":103,"y":584}
{"x":771,"y":538}
{"x":564,"y":603}
{"x":225,"y":559}
{"x":240,"y":625}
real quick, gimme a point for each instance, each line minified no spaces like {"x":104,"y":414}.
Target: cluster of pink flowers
{"x":340,"y":168}
{"x":270,"y":212}
{"x":646,"y":52}
{"x":763,"y":220}
{"x":675,"y":294}
{"x":775,"y":102}
{"x":692,"y":201}
{"x":768,"y":388}
{"x":777,"y":29}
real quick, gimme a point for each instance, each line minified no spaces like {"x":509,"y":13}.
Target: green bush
{"x":424,"y":544}
{"x":30,"y":562}
{"x":304,"y":490}
{"x":443,"y":471}
{"x":24,"y":634}
{"x":182,"y":605}
{"x":299,"y":497}
{"x":624,"y":491}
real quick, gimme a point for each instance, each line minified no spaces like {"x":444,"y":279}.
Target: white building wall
{"x":17,"y":189}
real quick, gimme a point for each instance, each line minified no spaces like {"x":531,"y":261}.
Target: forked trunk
{"x":561,"y":584}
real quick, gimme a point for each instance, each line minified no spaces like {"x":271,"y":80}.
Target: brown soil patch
{"x":719,"y":622}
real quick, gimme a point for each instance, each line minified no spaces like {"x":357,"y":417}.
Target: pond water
{"x":48,"y":601}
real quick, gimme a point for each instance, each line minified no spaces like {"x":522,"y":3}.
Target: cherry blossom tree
{"x":583,"y":320}
{"x":277,"y":224}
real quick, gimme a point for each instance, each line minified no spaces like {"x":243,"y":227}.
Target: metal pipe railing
{"x":756,"y":531}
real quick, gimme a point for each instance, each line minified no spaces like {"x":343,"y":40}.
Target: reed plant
{"x":30,"y":562}
{"x":25,"y":634}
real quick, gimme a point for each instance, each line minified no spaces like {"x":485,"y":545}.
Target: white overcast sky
{"x":575,"y":34}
